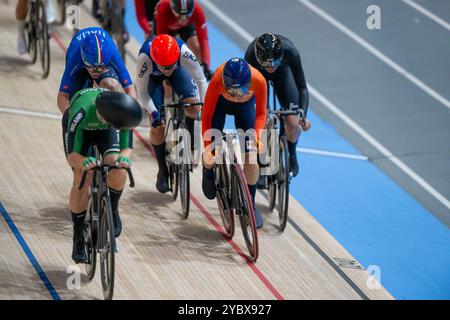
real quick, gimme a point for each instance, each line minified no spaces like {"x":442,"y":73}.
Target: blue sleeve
{"x":117,"y":63}
{"x":73,"y":64}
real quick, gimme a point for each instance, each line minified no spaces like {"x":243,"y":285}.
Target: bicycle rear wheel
{"x":223,"y":199}
{"x":107,"y":247}
{"x":43,"y":39}
{"x":283,"y":183}
{"x":245,"y":211}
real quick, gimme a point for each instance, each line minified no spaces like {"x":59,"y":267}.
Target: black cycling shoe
{"x":79,"y":254}
{"x":293,"y":165}
{"x":258,"y":218}
{"x":209,"y":184}
{"x":162,"y":182}
{"x":261,"y":184}
{"x":117,"y":223}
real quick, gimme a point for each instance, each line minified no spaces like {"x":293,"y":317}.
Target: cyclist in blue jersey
{"x":93,"y":58}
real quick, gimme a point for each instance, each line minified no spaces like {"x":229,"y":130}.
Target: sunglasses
{"x":167,"y":68}
{"x":238,"y":92}
{"x":97,"y":69}
{"x":271,"y":63}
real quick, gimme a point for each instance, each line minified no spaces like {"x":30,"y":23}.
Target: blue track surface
{"x":369,"y":214}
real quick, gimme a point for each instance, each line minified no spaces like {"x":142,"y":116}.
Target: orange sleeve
{"x":213,"y":92}
{"x":259,"y":87}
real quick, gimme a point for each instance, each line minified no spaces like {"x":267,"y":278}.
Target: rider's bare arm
{"x":75,"y":160}
{"x":131,"y":91}
{"x":62,"y":101}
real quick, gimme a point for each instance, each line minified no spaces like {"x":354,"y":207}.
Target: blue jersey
{"x":145,"y":49}
{"x":74,"y":62}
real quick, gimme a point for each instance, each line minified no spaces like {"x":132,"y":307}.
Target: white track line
{"x":332,"y":154}
{"x":427,"y":13}
{"x":45,"y":115}
{"x":377,"y":53}
{"x":333,"y":108}
{"x":54,"y":116}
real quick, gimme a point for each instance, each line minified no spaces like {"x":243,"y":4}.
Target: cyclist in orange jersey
{"x":240,"y":90}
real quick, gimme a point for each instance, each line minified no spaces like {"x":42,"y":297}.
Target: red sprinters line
{"x":205,"y":212}
{"x":219,"y":229}
{"x":58,"y":41}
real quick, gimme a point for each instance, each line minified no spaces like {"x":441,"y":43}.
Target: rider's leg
{"x":116,"y":183}
{"x":213,"y":118}
{"x":49,"y":11}
{"x":288,"y":95}
{"x":189,"y":35}
{"x":21,"y":14}
{"x":156,"y":91}
{"x":251,"y":172}
{"x":194,"y":45}
{"x":245,"y":115}
{"x":78,"y":199}
{"x":192,"y":114}
{"x":159,"y":146}
{"x":183,"y":85}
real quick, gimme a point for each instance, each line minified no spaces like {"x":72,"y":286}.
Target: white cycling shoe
{"x":21,"y":44}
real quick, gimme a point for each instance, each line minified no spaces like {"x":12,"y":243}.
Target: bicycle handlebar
{"x":284,"y":113}
{"x":181,"y":105}
{"x":108,"y":168}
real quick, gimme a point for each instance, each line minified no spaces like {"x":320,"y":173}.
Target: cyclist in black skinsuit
{"x":279,"y":61}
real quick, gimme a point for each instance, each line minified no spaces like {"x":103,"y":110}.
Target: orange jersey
{"x":257,"y":89}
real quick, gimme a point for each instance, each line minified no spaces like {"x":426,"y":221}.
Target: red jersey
{"x":167,"y":22}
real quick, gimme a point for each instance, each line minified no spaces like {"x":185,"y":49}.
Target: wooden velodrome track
{"x":161,"y":256}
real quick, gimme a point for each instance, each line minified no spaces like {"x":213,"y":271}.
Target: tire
{"x":244,"y":209}
{"x":223,"y":200}
{"x":43,"y":39}
{"x":283,"y":183}
{"x":184,"y":189}
{"x":272,"y":193}
{"x":62,"y":11}
{"x":184,"y":173}
{"x":107,"y":248}
{"x":90,"y":236}
{"x":30,"y":37}
{"x":117,"y":28}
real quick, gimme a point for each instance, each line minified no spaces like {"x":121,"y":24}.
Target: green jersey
{"x":83,"y":116}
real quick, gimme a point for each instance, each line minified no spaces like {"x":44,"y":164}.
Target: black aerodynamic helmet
{"x":182,"y":8}
{"x":269,"y":50}
{"x":119,"y":109}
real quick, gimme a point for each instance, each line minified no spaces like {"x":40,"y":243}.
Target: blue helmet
{"x":236,"y":76}
{"x":95,"y":51}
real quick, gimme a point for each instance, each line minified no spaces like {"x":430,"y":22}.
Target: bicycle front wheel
{"x":184,"y":189}
{"x":283,"y":183}
{"x":90,"y":243}
{"x":43,"y":39}
{"x":30,"y":34}
{"x":107,"y":247}
{"x":223,"y":199}
{"x":245,"y":211}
